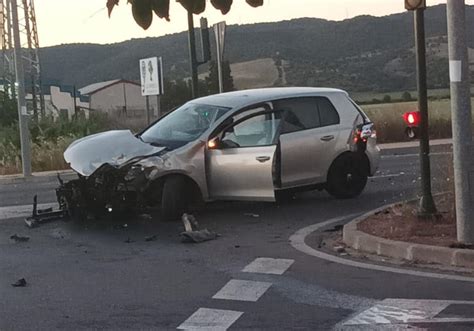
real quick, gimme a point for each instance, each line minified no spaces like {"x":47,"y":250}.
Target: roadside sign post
{"x":151,"y":77}
{"x":461,"y":120}
{"x":219,"y":33}
{"x":148,"y":121}
{"x":427,"y":206}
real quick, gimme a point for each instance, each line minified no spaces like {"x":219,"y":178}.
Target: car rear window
{"x":306,"y":113}
{"x":327,"y":113}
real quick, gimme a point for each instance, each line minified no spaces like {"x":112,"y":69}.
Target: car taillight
{"x":364,"y":132}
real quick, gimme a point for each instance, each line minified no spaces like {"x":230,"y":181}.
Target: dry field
{"x":390,"y":125}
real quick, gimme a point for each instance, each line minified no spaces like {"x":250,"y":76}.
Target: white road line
{"x":297,"y":240}
{"x":386,"y":176}
{"x":210,"y":320}
{"x":413,"y":155}
{"x":22,"y":211}
{"x":242,"y":290}
{"x":265,"y":265}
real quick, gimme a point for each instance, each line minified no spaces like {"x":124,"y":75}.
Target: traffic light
{"x":415,"y":4}
{"x":205,"y":43}
{"x":412,"y":119}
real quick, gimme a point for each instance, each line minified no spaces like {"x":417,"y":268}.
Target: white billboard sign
{"x":151,"y":76}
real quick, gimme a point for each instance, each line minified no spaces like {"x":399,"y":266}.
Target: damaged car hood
{"x":116,"y":147}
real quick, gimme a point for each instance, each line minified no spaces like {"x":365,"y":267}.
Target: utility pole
{"x":192,"y":56}
{"x":20,"y":82}
{"x":461,"y":120}
{"x":219,"y":33}
{"x":427,"y":206}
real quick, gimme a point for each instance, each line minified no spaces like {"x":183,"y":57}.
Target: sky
{"x":86,"y":21}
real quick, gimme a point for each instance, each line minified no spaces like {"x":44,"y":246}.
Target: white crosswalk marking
{"x":211,"y":320}
{"x":237,"y":290}
{"x":265,"y":265}
{"x":403,"y":311}
{"x":242,"y":290}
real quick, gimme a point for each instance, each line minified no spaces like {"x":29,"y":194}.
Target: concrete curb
{"x":365,"y":242}
{"x":38,"y":177}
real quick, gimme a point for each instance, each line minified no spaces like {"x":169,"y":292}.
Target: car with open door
{"x":246,"y":145}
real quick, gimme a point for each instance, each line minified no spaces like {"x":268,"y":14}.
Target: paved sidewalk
{"x":36,"y":177}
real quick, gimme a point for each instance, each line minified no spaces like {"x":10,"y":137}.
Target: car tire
{"x":174,"y":199}
{"x":347,"y":176}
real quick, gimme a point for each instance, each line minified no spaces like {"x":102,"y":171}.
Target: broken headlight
{"x":134,"y":172}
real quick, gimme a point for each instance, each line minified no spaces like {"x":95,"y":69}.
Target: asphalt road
{"x":106,"y":276}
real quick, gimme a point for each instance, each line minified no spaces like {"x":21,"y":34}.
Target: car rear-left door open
{"x":240,"y":159}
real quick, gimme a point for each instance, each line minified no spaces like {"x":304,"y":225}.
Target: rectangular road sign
{"x":151,"y":76}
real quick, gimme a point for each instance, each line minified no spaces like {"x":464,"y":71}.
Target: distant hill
{"x":361,"y":54}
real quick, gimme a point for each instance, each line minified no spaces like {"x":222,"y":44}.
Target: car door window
{"x":258,"y":130}
{"x":298,"y":114}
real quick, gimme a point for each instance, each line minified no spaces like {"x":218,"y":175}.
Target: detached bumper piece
{"x":41,"y":216}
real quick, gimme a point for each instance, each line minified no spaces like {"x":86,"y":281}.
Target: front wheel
{"x":347,"y":177}
{"x":174,"y":199}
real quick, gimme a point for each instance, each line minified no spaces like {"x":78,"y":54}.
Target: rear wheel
{"x":174,"y":200}
{"x":347,"y":176}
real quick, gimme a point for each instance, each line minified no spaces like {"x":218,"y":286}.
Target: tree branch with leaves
{"x":143,"y":10}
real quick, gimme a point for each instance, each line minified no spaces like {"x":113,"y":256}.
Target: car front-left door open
{"x":242,"y":167}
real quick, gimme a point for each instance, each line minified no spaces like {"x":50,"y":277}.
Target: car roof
{"x":244,"y":98}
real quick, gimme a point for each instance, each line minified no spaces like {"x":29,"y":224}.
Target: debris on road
{"x":189,"y":222}
{"x":191,"y":232}
{"x":198,"y":236}
{"x":20,"y":283}
{"x":146,"y":217}
{"x":128,"y":241}
{"x":17,"y":238}
{"x":252,"y":215}
{"x":151,"y":238}
{"x":41,"y":216}
{"x":339,"y":249}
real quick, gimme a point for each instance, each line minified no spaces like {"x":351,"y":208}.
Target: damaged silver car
{"x":246,"y":145}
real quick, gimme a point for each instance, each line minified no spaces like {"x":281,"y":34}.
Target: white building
{"x":59,"y":103}
{"x":120,"y":98}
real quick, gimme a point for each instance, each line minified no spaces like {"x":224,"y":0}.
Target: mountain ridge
{"x":364,"y":53}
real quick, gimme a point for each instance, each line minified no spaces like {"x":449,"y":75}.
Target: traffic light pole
{"x":427,"y":206}
{"x":192,"y":55}
{"x":461,"y":120}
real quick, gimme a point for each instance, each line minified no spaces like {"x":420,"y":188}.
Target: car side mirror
{"x":214,"y":143}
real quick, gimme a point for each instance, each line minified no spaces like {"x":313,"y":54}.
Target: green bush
{"x":49,"y":139}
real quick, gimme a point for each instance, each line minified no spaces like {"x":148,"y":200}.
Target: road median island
{"x":396,"y":232}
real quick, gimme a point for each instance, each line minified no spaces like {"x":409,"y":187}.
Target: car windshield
{"x":183,"y":125}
